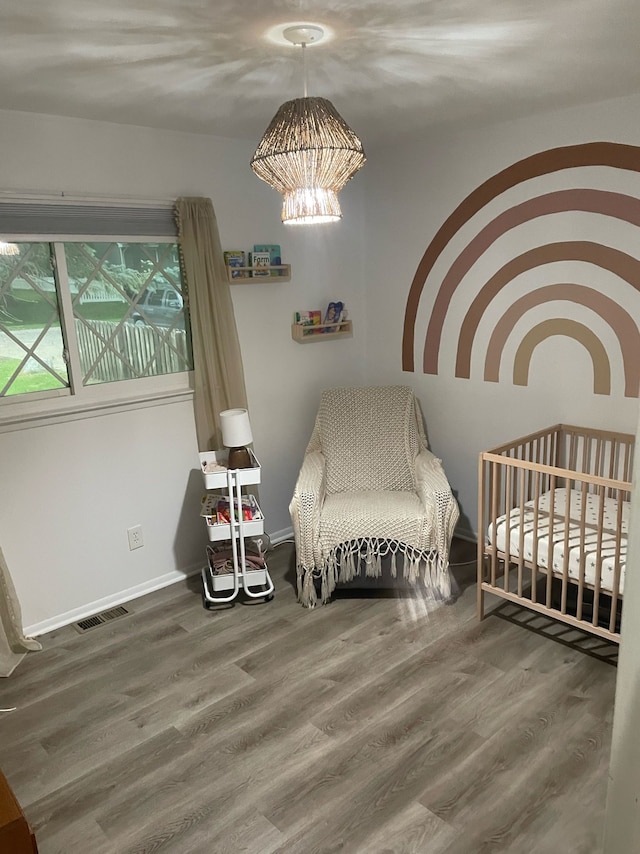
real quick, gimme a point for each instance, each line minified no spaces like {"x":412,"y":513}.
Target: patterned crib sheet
{"x":605,"y":564}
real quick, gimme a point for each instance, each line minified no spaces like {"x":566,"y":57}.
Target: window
{"x":85,"y":310}
{"x":31,"y":348}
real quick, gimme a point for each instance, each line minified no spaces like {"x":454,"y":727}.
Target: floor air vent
{"x":83,"y":626}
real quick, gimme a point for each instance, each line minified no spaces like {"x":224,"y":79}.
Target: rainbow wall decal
{"x":615,"y":205}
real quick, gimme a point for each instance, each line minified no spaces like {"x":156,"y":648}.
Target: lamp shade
{"x":236,"y":429}
{"x":308,"y":153}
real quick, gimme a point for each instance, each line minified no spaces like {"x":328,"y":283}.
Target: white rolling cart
{"x":226,"y":484}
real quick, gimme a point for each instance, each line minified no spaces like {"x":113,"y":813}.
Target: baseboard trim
{"x":281,"y":536}
{"x":112,"y":601}
{"x":466,"y":535}
{"x":91,"y":608}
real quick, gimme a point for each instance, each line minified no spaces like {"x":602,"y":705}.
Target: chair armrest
{"x":305,"y":506}
{"x":435,"y":492}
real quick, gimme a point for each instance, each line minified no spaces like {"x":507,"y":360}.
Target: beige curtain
{"x":13,"y":643}
{"x":217,"y":360}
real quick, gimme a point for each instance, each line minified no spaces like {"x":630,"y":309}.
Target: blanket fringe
{"x":307,"y":594}
{"x":344,"y":563}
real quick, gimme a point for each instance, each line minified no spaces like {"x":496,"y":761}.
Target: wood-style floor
{"x":368,"y":726}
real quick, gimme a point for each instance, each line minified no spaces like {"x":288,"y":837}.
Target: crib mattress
{"x":594,"y":564}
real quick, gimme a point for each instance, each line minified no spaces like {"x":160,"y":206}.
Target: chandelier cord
{"x":304,"y":67}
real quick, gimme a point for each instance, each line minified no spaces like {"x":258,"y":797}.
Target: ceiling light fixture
{"x":9,"y":248}
{"x":308,"y":152}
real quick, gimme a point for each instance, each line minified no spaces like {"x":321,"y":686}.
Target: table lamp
{"x":236,"y":435}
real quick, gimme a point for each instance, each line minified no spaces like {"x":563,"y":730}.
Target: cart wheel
{"x":205,"y":602}
{"x":269,"y":597}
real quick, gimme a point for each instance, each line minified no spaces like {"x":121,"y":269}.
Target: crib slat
{"x":529,"y":456}
{"x":495,"y":487}
{"x":612,"y":467}
{"x":586,"y":448}
{"x":598,"y":558}
{"x":552,"y":504}
{"x":534,"y":551}
{"x":522,"y":500}
{"x":573,"y":451}
{"x":626,"y":474}
{"x":507,"y":544}
{"x":617,"y":566}
{"x":546,"y":452}
{"x":598,"y":461}
{"x":565,"y":541}
{"x":582,"y":547}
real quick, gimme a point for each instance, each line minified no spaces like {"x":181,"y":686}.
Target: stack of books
{"x":261,"y":260}
{"x":334,"y":315}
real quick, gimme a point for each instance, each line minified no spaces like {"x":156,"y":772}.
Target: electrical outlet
{"x":135,"y":537}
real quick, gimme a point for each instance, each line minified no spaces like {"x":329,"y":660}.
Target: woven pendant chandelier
{"x":308,"y":152}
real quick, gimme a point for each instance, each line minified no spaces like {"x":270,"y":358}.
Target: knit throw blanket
{"x":370,"y":487}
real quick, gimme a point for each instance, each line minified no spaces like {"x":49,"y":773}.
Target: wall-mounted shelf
{"x":321,"y":331}
{"x":244,"y":275}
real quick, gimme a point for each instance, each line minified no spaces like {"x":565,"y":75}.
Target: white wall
{"x":622,"y":820}
{"x":401,"y":198}
{"x":70,"y":491}
{"x":410,"y":191}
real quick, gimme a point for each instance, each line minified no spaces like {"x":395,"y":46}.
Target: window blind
{"x":76,"y":219}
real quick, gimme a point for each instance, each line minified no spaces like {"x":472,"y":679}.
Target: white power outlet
{"x":135,"y":537}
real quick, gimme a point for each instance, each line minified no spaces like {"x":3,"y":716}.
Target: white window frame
{"x":80,"y":401}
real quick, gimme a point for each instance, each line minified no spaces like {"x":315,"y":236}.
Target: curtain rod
{"x":81,"y":198}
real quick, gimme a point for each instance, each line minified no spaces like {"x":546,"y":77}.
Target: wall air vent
{"x":97,"y":620}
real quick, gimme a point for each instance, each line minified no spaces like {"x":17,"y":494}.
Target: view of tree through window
{"x":31,"y":349}
{"x":127,"y":316}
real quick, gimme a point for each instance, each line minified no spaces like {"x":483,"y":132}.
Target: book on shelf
{"x":235,"y":258}
{"x":275,"y":256}
{"x":334,"y":315}
{"x":261,"y":263}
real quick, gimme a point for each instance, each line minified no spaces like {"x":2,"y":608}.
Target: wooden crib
{"x":553,"y":513}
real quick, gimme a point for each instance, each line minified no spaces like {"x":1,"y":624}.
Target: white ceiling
{"x":393,"y":65}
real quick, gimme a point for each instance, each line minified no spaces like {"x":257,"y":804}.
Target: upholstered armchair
{"x":370,"y":487}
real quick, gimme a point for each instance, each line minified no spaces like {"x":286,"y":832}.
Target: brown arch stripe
{"x":571,"y":329}
{"x":612,"y":154}
{"x":616,"y":205}
{"x":614,"y":260}
{"x":618,"y":319}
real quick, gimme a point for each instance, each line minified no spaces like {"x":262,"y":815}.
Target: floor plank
{"x":373,"y":725}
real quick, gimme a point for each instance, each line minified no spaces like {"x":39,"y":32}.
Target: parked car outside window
{"x":161,"y":307}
